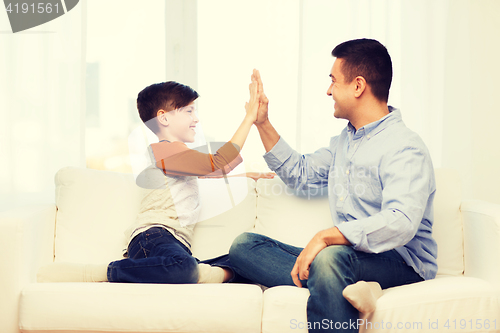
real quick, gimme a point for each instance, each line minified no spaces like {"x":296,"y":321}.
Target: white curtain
{"x":42,"y":98}
{"x":444,"y":56}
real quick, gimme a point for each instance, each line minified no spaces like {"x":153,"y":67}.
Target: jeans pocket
{"x":153,"y":233}
{"x":140,"y":246}
{"x":143,"y":251}
{"x":135,"y":250}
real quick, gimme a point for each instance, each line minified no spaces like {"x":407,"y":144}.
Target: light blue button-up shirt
{"x":381,"y":187}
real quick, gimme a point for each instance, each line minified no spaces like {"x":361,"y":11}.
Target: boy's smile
{"x":181,"y":124}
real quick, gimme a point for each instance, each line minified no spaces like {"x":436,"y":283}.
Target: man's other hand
{"x":321,"y":240}
{"x":300,"y":270}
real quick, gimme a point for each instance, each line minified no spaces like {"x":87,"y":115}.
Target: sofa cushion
{"x":469,"y":302}
{"x":294,"y":218}
{"x":121,"y":307}
{"x":415,"y":307}
{"x":285,"y":309}
{"x":94,"y":208}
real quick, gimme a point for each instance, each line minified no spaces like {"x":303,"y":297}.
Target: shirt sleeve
{"x":408,"y":184}
{"x":176,"y":159}
{"x":301,"y":172}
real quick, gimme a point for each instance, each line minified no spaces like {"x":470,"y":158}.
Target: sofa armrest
{"x":481,"y":239}
{"x":26,"y":243}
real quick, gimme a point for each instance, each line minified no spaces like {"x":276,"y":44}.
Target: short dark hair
{"x":369,"y":59}
{"x":168,"y":96}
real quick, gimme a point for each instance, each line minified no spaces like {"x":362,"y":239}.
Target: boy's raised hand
{"x":251,"y":107}
{"x":253,"y":104}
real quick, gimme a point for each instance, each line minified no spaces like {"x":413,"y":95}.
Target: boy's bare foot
{"x":211,"y":274}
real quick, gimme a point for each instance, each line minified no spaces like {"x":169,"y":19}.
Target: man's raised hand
{"x":263,"y":100}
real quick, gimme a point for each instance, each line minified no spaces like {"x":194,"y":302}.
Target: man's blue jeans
{"x":269,"y":262}
{"x":156,"y":256}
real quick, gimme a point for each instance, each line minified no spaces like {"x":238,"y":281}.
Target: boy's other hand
{"x":254,"y":175}
{"x":258,"y":175}
{"x":263,"y":100}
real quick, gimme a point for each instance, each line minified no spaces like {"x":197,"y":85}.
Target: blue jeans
{"x":269,"y":262}
{"x":156,"y":256}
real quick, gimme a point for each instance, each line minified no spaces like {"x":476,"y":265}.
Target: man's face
{"x":340,"y":91}
{"x":182,"y":123}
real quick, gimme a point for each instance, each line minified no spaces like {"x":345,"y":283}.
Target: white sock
{"x":363,"y":295}
{"x":71,"y":272}
{"x":210,"y":274}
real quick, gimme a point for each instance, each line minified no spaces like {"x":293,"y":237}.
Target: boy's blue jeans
{"x":155,"y":256}
{"x":269,"y":262}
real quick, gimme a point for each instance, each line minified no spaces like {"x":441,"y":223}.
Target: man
{"x":381,"y":188}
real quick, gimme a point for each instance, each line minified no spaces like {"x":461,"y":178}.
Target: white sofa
{"x":92,"y":208}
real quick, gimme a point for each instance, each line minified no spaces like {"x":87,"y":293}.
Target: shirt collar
{"x":376,"y":127}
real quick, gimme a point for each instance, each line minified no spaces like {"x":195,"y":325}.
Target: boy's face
{"x":182,"y":123}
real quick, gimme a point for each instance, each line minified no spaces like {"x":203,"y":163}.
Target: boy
{"x":160,"y":238}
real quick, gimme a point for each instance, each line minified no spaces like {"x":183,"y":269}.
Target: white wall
{"x":471,"y":109}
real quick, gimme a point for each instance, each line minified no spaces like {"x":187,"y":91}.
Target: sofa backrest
{"x":96,"y":207}
{"x":290,"y":216}
{"x":222,"y":218}
{"x":93,"y":209}
{"x":448,"y":226}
